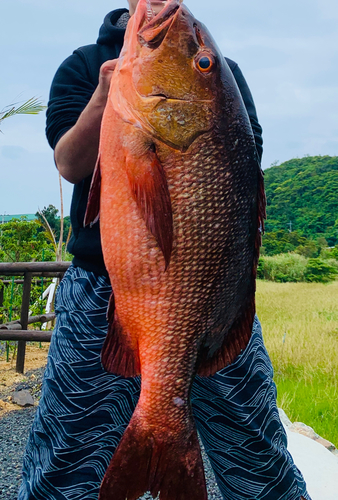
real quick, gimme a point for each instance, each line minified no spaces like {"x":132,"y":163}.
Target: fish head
{"x":171,"y":77}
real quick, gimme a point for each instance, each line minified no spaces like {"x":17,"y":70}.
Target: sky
{"x":287,"y":51}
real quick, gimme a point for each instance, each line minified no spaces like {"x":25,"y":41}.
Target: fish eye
{"x":205,"y":63}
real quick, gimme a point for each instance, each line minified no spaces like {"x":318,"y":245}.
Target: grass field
{"x":300,"y":326}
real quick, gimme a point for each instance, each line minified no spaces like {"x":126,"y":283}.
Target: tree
{"x":282,"y":241}
{"x":23,"y":241}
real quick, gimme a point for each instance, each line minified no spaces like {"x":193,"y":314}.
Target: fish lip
{"x":152,"y":33}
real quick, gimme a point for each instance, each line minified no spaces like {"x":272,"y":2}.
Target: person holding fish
{"x":170,"y":219}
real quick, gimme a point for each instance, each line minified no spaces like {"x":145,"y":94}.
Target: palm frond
{"x":68,"y":238}
{"x":68,"y":235}
{"x":49,"y":231}
{"x":31,"y":107}
{"x":59,"y":252}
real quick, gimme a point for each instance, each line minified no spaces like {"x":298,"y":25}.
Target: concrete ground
{"x":318,"y":466}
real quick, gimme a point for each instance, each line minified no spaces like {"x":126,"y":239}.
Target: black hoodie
{"x":72,"y":87}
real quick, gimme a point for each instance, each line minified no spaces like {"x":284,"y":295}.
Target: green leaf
{"x":31,"y":107}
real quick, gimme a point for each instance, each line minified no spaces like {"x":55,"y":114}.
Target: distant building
{"x":6,"y":218}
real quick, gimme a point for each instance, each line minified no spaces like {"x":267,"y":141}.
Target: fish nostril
{"x":198,"y":35}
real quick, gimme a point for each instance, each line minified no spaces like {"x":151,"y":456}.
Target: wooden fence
{"x":18,"y":330}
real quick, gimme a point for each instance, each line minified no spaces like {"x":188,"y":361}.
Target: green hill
{"x":303,"y":191}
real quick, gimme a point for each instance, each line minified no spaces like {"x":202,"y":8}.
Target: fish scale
{"x":181,"y":201}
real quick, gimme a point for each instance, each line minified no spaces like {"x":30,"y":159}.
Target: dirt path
{"x":10,"y":380}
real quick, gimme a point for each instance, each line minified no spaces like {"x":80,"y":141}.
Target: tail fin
{"x":144,"y":462}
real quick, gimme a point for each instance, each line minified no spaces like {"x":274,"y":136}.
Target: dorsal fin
{"x":261,"y":203}
{"x":93,"y":205}
{"x":149,"y":187}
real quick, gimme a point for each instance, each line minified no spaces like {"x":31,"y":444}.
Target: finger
{"x":108,"y":67}
{"x":106,"y":72}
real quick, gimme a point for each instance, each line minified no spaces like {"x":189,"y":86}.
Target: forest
{"x":301,"y":231}
{"x":302,"y":205}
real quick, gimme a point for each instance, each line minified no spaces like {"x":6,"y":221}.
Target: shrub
{"x":334,"y":252}
{"x":320,"y":271}
{"x":333,"y":262}
{"x":282,"y":268}
{"x":23,"y":241}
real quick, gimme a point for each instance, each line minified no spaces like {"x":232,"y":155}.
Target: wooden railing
{"x":18,"y":330}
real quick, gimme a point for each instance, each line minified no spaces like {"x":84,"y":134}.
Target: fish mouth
{"x":153,"y":28}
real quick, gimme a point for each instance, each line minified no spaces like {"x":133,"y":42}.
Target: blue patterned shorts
{"x":84,"y":411}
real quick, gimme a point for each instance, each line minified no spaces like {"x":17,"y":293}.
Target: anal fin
{"x":235,"y":341}
{"x":118,"y":356}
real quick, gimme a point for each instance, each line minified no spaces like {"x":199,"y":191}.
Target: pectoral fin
{"x":149,"y":188}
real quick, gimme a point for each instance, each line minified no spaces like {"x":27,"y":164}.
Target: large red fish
{"x":181,"y":208}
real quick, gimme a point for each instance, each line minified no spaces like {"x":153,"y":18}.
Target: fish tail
{"x":146,"y":462}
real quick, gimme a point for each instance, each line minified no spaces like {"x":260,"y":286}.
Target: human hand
{"x":106,"y":73}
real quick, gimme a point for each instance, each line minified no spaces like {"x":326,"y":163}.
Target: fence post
{"x":20,"y":360}
{"x":1,"y":299}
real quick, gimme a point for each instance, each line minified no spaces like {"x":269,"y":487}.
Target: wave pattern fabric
{"x":84,"y":411}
